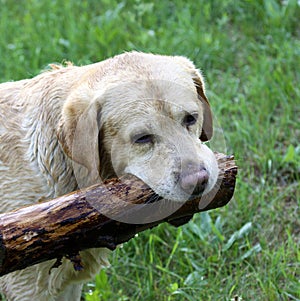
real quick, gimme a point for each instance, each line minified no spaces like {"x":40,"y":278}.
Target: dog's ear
{"x":78,"y":132}
{"x":207,"y":126}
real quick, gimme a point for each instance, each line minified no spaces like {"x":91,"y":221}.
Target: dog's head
{"x":146,"y":115}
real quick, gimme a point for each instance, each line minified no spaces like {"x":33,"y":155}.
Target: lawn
{"x":249,"y":52}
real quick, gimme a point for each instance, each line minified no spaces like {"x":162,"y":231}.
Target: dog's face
{"x":146,"y":119}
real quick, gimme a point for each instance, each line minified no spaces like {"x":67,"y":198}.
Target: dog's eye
{"x":142,"y":139}
{"x":190,"y":119}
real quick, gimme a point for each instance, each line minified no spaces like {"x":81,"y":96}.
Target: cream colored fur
{"x":49,"y":146}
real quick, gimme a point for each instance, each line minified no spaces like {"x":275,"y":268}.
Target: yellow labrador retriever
{"x":70,"y":127}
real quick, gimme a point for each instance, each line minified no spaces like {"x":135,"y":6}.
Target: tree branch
{"x":103,"y":215}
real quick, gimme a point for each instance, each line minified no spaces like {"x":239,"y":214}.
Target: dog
{"x":71,"y":127}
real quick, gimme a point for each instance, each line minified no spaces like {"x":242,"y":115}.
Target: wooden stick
{"x":103,"y":215}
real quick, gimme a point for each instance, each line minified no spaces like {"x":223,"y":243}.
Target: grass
{"x":249,"y":51}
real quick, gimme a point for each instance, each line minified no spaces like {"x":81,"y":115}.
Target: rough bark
{"x":103,"y":215}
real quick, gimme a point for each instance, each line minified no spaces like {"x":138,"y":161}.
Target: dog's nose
{"x":194,"y":179}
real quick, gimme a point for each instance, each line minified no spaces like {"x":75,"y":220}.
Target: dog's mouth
{"x":155,"y":198}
